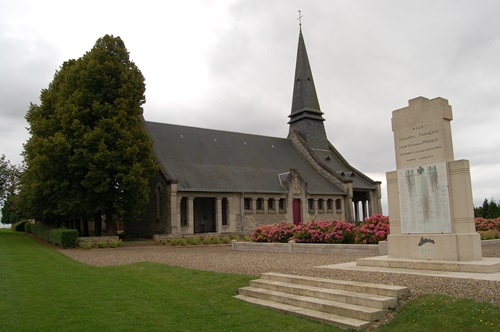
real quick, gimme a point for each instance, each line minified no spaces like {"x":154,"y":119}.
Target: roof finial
{"x":300,"y":19}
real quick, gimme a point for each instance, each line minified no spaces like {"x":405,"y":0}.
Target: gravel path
{"x":224,"y":259}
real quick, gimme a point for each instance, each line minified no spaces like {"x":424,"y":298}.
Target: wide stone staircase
{"x":342,"y":303}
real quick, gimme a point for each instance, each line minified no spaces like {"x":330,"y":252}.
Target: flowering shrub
{"x":489,"y":229}
{"x":490,"y":234}
{"x":281,"y":232}
{"x":373,"y":230}
{"x":483,"y":224}
{"x":335,"y":231}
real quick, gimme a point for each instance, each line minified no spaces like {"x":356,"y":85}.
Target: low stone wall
{"x":97,"y":239}
{"x":160,"y":238}
{"x":488,"y":242}
{"x":320,"y":248}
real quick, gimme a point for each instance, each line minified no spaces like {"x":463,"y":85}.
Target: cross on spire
{"x":300,"y":19}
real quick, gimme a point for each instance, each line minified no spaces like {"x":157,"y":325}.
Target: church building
{"x":212,"y":181}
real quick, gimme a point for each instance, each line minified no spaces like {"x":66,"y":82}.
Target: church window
{"x":320,"y":204}
{"x":247,"y":202}
{"x":310,"y":203}
{"x":281,"y":204}
{"x":338,"y":204}
{"x":260,"y":204}
{"x":225,"y":211}
{"x":184,"y":221}
{"x":270,"y":204}
{"x":329,"y":204}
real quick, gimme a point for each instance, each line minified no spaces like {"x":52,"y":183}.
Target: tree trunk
{"x":98,"y":224}
{"x":110,"y":225}
{"x":85,"y":226}
{"x":78,"y":226}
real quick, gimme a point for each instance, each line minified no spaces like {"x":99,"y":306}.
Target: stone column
{"x":356,"y":211}
{"x":377,"y":199}
{"x":175,"y":219}
{"x":218,"y":213}
{"x":190,"y":214}
{"x":348,"y":204}
{"x":365,"y":212}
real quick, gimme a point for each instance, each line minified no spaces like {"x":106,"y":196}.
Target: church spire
{"x":306,"y":116}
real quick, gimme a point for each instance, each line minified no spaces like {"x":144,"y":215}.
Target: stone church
{"x":213,"y":181}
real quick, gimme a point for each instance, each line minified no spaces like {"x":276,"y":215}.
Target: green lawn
{"x":43,"y":290}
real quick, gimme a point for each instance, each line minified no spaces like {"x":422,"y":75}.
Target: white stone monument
{"x":430,"y":196}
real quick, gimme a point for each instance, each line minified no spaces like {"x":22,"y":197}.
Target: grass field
{"x":43,"y":290}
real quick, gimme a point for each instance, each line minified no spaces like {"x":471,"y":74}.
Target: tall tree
{"x":489,"y":209}
{"x":10,"y":214}
{"x":9,"y":175}
{"x":9,"y":182}
{"x":89,"y":127}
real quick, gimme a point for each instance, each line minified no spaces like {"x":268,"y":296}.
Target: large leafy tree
{"x":9,"y":175}
{"x":10,"y":213}
{"x":89,"y":154}
{"x":9,"y":180}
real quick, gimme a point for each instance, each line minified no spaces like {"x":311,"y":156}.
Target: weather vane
{"x":300,"y":19}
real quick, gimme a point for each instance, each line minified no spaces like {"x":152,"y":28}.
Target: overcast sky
{"x":229,"y":65}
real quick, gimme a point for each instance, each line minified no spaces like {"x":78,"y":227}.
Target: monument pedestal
{"x":449,"y":247}
{"x":486,"y":265}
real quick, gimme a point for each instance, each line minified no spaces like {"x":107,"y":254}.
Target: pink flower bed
{"x":487,"y":224}
{"x":371,"y":231}
{"x":281,"y":232}
{"x":335,"y":231}
{"x":489,"y":229}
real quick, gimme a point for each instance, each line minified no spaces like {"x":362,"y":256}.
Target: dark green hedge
{"x":41,"y":231}
{"x":19,"y":226}
{"x":62,"y":237}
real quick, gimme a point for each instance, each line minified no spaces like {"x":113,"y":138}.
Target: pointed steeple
{"x":306,"y":116}
{"x":304,"y":91}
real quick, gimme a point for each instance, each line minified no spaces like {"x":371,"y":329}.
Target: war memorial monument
{"x":430,"y":197}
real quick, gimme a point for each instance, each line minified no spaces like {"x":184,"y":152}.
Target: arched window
{"x":158,"y":203}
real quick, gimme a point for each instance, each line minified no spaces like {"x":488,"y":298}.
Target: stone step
{"x":318,"y":304}
{"x":328,"y":318}
{"x":363,"y":299}
{"x":351,"y":286}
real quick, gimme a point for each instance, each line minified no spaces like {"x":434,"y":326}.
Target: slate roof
{"x":221,"y":161}
{"x":336,"y":163}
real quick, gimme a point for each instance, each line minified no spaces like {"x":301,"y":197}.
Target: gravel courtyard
{"x":222,"y":258}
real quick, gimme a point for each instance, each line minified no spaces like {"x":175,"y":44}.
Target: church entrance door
{"x":204,"y":214}
{"x":297,"y":215}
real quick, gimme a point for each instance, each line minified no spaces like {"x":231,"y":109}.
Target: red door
{"x":297,"y":216}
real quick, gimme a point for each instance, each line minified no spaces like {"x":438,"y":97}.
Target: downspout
{"x":242,"y":210}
